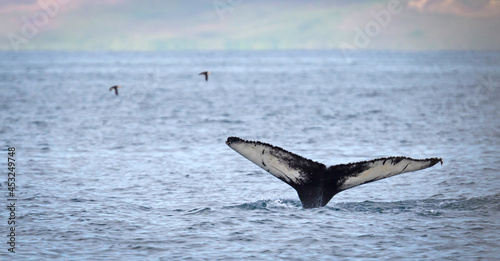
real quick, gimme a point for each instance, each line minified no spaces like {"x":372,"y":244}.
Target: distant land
{"x":249,"y":25}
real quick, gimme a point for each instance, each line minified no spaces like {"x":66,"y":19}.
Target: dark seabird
{"x":206,"y":75}
{"x":316,"y":183}
{"x":116,"y":88}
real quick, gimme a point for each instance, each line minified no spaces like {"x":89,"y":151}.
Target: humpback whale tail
{"x":314,"y":182}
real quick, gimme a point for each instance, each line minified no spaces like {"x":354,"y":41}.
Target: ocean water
{"x":147,"y":175}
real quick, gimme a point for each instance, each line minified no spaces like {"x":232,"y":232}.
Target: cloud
{"x":259,"y":24}
{"x":13,"y":6}
{"x":5,"y":3}
{"x":471,"y":8}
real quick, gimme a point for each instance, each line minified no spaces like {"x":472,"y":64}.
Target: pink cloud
{"x":458,"y":7}
{"x":5,"y":3}
{"x":9,"y":6}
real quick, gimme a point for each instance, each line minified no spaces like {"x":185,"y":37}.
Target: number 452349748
{"x":12,"y":171}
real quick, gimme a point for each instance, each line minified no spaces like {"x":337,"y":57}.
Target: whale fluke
{"x":314,"y":182}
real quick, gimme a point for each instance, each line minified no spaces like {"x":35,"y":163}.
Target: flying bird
{"x":116,"y":88}
{"x":206,"y":75}
{"x":316,"y":183}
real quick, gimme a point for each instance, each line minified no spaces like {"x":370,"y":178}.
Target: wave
{"x":268,"y":204}
{"x":425,"y":207}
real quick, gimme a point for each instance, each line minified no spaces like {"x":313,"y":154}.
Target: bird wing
{"x":114,"y":87}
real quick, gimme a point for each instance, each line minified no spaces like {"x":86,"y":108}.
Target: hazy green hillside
{"x":238,"y":24}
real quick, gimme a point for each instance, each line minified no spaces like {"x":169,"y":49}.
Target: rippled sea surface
{"x":147,"y":175}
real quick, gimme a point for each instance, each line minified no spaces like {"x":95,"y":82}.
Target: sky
{"x":151,"y":25}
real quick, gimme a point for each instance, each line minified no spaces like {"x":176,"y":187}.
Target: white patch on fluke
{"x":384,"y":168}
{"x":270,"y":159}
